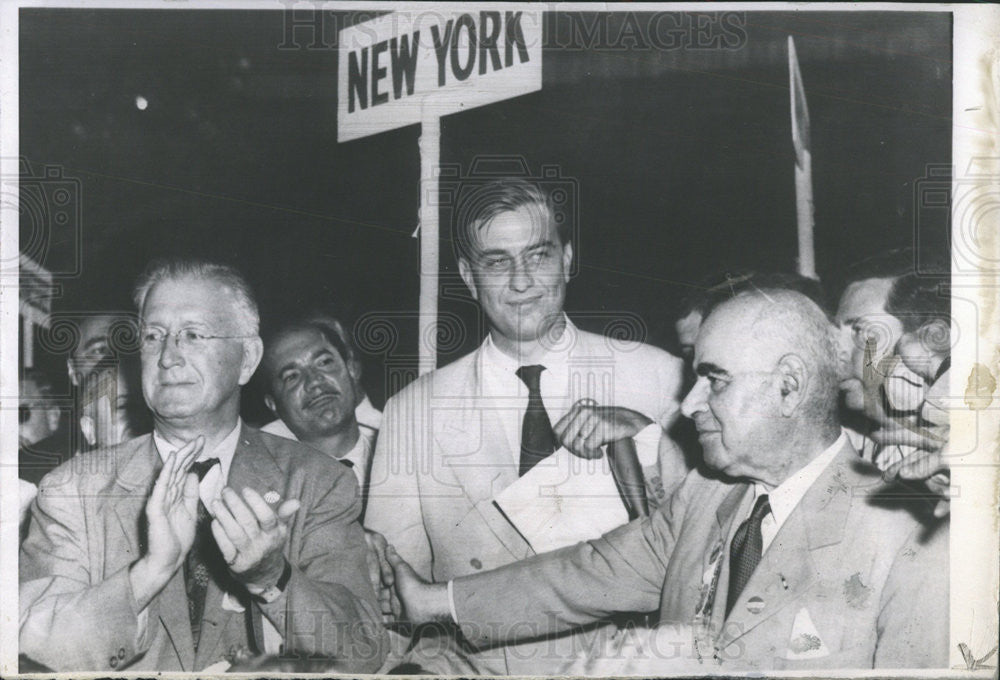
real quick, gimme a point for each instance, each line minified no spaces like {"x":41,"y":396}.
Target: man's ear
{"x":74,"y":377}
{"x":793,"y":379}
{"x":89,"y":429}
{"x":253,"y":351}
{"x":465,"y":271}
{"x":269,"y":403}
{"x":567,"y":260}
{"x":354,"y":369}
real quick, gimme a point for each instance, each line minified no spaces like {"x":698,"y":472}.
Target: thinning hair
{"x":719,"y":287}
{"x":478,"y":208}
{"x":792,"y":323}
{"x":227,"y":277}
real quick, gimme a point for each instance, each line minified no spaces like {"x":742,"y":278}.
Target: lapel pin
{"x":272,"y":497}
{"x":755,"y":605}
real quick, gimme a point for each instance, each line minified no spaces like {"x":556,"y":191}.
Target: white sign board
{"x":407,"y":66}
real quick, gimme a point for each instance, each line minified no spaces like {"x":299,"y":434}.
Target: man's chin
{"x":175,"y":408}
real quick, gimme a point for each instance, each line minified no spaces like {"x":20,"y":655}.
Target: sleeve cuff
{"x":451,"y":601}
{"x":647,"y":444}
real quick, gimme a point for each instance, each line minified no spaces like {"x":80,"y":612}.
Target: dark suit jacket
{"x":846,"y":583}
{"x":77,"y":610}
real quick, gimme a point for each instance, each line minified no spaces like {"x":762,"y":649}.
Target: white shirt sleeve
{"x":647,"y":444}
{"x":451,"y":601}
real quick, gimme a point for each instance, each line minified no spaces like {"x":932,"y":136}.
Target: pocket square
{"x":805,"y":641}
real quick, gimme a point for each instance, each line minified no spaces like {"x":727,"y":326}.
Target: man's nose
{"x":695,"y":401}
{"x":313,"y":379}
{"x":170,"y":353}
{"x":521,"y":277}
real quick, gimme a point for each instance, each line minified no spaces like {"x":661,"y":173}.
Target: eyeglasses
{"x":151,"y":339}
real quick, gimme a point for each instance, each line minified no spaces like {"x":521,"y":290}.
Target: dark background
{"x":680,"y":159}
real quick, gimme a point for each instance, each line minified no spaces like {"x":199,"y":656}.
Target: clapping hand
{"x":251,"y":536}
{"x":172,"y":520}
{"x":172,"y":510}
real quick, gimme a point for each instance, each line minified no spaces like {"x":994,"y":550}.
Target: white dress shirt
{"x":210,"y":487}
{"x":508,"y":392}
{"x":359,"y":455}
{"x":784,"y":497}
{"x":214,"y":480}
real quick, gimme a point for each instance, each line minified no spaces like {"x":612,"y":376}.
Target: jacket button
{"x":113,"y":661}
{"x":476,"y":564}
{"x":121,"y":652}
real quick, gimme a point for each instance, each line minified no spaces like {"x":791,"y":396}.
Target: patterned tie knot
{"x":531,"y":376}
{"x":202,"y":467}
{"x":761,"y":509}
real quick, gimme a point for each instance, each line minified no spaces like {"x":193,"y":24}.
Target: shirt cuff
{"x":647,"y":444}
{"x":451,"y":601}
{"x":141,"y":623}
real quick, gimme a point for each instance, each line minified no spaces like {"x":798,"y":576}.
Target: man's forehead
{"x":523,"y":227}
{"x":862,"y":298}
{"x":94,"y":328}
{"x":728,"y":340}
{"x":188,"y":300}
{"x":299,"y":345}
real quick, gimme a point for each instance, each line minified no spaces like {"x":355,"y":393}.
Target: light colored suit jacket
{"x":848,"y":582}
{"x":77,"y":610}
{"x":441,"y":457}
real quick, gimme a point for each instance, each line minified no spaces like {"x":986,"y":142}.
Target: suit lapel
{"x":173,"y":610}
{"x":253,"y":467}
{"x":472,"y":444}
{"x":134,"y":481}
{"x":786,"y":570}
{"x":725,"y":517}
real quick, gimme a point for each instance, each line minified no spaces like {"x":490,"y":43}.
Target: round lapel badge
{"x":755,"y":605}
{"x":272,"y":497}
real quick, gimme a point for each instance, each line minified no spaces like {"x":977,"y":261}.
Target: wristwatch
{"x":269,"y":595}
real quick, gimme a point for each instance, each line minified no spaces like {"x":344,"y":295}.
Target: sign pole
{"x":803,"y":165}
{"x":430,"y":152}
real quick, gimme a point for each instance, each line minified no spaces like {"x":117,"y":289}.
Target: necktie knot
{"x":531,"y":376}
{"x":761,"y":509}
{"x":201,"y":467}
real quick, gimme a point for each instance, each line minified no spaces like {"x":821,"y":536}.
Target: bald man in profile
{"x":777,"y":560}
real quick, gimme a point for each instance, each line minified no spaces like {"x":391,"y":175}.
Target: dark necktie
{"x":196,"y":571}
{"x":202,"y":467}
{"x":537,"y":439}
{"x":196,"y":565}
{"x":745,"y":551}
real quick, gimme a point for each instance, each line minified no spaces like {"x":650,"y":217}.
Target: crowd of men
{"x":779,"y":491}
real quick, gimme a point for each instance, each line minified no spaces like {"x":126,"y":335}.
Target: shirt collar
{"x":555,"y":357}
{"x":224,"y":451}
{"x":784,"y":497}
